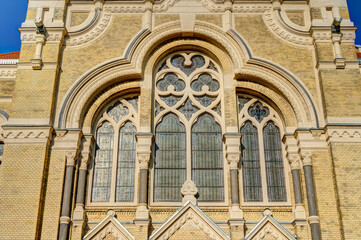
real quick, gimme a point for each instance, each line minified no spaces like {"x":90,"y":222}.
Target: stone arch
{"x":133,"y":71}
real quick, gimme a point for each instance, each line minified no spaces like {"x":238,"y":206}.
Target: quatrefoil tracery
{"x":188,"y":83}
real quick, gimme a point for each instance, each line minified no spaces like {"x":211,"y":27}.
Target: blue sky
{"x":13,"y":12}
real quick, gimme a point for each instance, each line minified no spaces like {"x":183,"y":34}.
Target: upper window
{"x":188,"y":133}
{"x":114,"y":163}
{"x":263,"y":173}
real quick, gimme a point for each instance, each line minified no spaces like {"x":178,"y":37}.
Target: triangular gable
{"x":189,"y":214}
{"x":269,"y":228}
{"x":110,"y":228}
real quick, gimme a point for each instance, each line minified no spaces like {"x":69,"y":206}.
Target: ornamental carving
{"x":294,"y":160}
{"x":306,"y":158}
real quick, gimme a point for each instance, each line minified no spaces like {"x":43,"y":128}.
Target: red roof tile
{"x":12,"y":55}
{"x":358,"y":54}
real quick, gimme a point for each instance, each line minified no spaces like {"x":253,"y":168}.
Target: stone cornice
{"x":27,"y":134}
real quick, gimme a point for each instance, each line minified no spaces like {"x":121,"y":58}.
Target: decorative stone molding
{"x":189,"y":213}
{"x":313,"y":219}
{"x":143,"y":159}
{"x":306,"y":158}
{"x":8,"y":72}
{"x":233,"y":149}
{"x":294,"y":161}
{"x":92,"y":32}
{"x":88,"y":143}
{"x":109,"y":228}
{"x":248,"y":8}
{"x":67,"y":140}
{"x":272,"y":20}
{"x":189,"y":191}
{"x":343,"y":134}
{"x":26,"y":134}
{"x":269,"y":228}
{"x":71,"y":158}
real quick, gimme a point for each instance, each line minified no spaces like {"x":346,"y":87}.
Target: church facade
{"x":181,"y":119}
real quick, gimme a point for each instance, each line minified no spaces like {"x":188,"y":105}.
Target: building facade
{"x":181,"y":119}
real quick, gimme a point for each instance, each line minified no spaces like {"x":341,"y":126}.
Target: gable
{"x":109,"y":229}
{"x":189,"y":222}
{"x":269,"y":229}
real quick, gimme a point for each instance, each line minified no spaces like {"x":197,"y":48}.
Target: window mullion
{"x":188,"y":151}
{"x":114,"y":164}
{"x":263,"y":164}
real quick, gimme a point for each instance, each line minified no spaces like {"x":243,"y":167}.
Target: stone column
{"x":79,"y":213}
{"x":299,"y":211}
{"x":339,"y":60}
{"x":312,"y":207}
{"x":142,"y":220}
{"x":71,"y":157}
{"x":37,"y":60}
{"x":233,"y":156}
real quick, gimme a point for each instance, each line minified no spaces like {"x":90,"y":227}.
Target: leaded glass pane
{"x":251,"y":170}
{"x":217,"y":109}
{"x":103,"y":163}
{"x":170,"y":100}
{"x":212,"y":66}
{"x":274,"y":163}
{"x":207,"y":159}
{"x":187,"y":109}
{"x":188,"y":67}
{"x":242,"y":101}
{"x":170,"y":159}
{"x":205,"y":79}
{"x":118,"y":111}
{"x":134,"y":102}
{"x":258,"y":111}
{"x":171,"y":79}
{"x":158,"y":108}
{"x":126,"y":163}
{"x":205,"y":100}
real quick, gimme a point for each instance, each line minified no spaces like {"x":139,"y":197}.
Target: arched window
{"x":115,"y":153}
{"x":263,"y":173}
{"x":188,"y":133}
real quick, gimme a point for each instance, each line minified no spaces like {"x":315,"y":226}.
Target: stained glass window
{"x":251,"y":169}
{"x":115,"y":156}
{"x":103,"y":163}
{"x":126,"y":163}
{"x":188,"y":96}
{"x":262,"y":157}
{"x":274,"y":164}
{"x":170,"y":159}
{"x":207,"y":160}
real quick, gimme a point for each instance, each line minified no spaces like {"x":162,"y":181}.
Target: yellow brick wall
{"x":325,"y":189}
{"x":342,"y":92}
{"x":6,"y":87}
{"x":347,"y":164}
{"x":215,"y":19}
{"x":324,"y":52}
{"x":53,"y":195}
{"x":110,"y":44}
{"x":297,"y":17}
{"x":21,"y":181}
{"x":164,"y":18}
{"x":264,"y":44}
{"x":78,"y":18}
{"x":33,"y":94}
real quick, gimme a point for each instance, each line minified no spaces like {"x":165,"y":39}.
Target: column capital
{"x":144,"y":159}
{"x":233,"y":149}
{"x":294,"y":161}
{"x":71,"y":157}
{"x":306,"y":158}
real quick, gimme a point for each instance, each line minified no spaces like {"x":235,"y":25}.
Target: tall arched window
{"x":115,"y":153}
{"x":188,"y":139}
{"x":263,"y":173}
